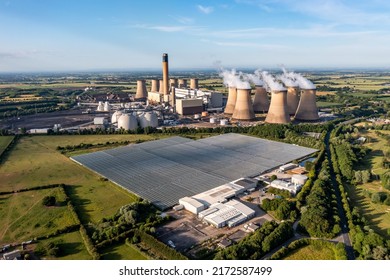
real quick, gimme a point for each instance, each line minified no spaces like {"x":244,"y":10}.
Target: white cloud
{"x":205,"y":10}
{"x":164,"y":28}
{"x":183,"y":20}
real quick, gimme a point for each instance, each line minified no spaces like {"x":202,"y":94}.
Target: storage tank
{"x":127,"y":122}
{"x":212,"y":120}
{"x":148,"y":119}
{"x":100,"y":107}
{"x":115,"y":117}
{"x":106,"y":107}
{"x":224,"y":122}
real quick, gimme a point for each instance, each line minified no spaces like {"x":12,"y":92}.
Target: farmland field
{"x":34,"y":161}
{"x":23,"y":216}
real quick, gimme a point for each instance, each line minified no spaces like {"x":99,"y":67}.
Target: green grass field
{"x":312,"y":252}
{"x":122,"y":252}
{"x":72,"y":246}
{"x":23,"y":216}
{"x":34,"y":161}
{"x":377,"y":215}
{"x":377,"y":145}
{"x":4,"y":142}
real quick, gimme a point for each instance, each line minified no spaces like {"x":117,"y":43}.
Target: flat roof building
{"x":288,"y":186}
{"x":192,"y":205}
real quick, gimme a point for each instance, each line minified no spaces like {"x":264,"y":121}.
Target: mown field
{"x":23,"y":217}
{"x":34,"y":161}
{"x":312,"y":252}
{"x":122,"y":252}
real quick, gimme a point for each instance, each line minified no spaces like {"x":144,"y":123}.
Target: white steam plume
{"x":232,"y":79}
{"x":255,"y":79}
{"x":303,"y":82}
{"x":271,"y":83}
{"x":288,"y":78}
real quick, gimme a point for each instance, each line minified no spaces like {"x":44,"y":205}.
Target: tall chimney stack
{"x":155,"y":85}
{"x":231,"y":102}
{"x":277,"y":112}
{"x":142,"y":92}
{"x":307,"y":107}
{"x":260,"y":102}
{"x":292,"y":100}
{"x":194,"y":83}
{"x":165,"y":74}
{"x":244,"y":108}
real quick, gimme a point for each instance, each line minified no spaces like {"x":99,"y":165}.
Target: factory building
{"x":299,"y":179}
{"x":192,"y":205}
{"x":189,"y":106}
{"x":219,"y":210}
{"x":288,"y":186}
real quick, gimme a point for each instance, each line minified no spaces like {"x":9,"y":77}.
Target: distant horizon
{"x":197,"y":34}
{"x":198,"y":69}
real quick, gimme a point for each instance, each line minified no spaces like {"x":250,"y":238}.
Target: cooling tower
{"x":161,"y":86}
{"x":142,"y":93}
{"x":260,"y":102}
{"x":244,"y":108}
{"x":155,"y":85}
{"x":173,"y":83}
{"x":182,"y":83}
{"x":277,"y":112}
{"x":292,"y":100}
{"x":194,"y":84}
{"x":231,"y":102}
{"x":307,"y":107}
{"x":165,"y":74}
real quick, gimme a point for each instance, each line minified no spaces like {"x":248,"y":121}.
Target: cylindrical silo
{"x":127,"y":122}
{"x":307,"y":108}
{"x":231,"y":102}
{"x":277,"y":112}
{"x":260,"y":101}
{"x":244,"y":108}
{"x":115,"y":116}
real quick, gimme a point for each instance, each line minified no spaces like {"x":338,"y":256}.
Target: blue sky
{"x":66,"y":35}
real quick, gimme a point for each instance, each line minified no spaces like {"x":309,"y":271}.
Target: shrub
{"x":49,"y":200}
